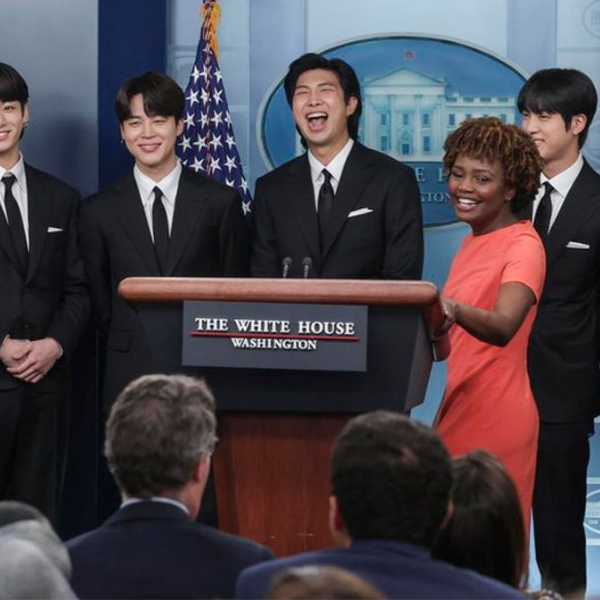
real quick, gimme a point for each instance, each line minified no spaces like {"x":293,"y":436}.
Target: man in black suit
{"x":390,"y":480}
{"x":160,"y":220}
{"x":159,"y":439}
{"x":558,"y":106}
{"x":43,"y":309}
{"x":341,"y":210}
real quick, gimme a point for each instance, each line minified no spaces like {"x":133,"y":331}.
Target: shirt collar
{"x":563,"y":182}
{"x":335,"y":167}
{"x":17,"y":170}
{"x":162,"y":499}
{"x":168,"y":185}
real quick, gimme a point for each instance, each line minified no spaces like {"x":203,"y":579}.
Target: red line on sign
{"x":334,"y":338}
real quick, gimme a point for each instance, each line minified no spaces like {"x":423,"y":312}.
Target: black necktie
{"x":544,"y":212}
{"x":160,"y":228}
{"x":325,"y":204}
{"x":15,"y":222}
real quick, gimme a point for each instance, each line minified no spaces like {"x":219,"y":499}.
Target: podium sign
{"x":316,"y":337}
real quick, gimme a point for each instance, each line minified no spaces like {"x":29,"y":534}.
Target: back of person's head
{"x":391,"y":477}
{"x":12,"y":511}
{"x":22,"y":521}
{"x":486,"y":531}
{"x":27,"y":573}
{"x":44,"y":538}
{"x":321,"y":583}
{"x":568,"y":92}
{"x":162,"y":96}
{"x":344,"y":73}
{"x":12,"y":86}
{"x":158,"y":429}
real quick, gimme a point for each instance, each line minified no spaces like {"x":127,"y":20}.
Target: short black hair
{"x":568,"y":92}
{"x":162,"y":96}
{"x":392,"y":478}
{"x":12,"y":85}
{"x":342,"y":70}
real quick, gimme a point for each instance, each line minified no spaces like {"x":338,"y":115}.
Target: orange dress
{"x":488,"y":401}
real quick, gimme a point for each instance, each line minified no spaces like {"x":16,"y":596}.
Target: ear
{"x":448,"y":515}
{"x":578,"y":123}
{"x":351,"y":105}
{"x":510,"y":194}
{"x":179,"y":127}
{"x":337,"y":526}
{"x":26,"y":113}
{"x":201,"y":470}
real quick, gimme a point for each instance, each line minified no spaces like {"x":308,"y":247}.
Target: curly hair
{"x":489,"y":139}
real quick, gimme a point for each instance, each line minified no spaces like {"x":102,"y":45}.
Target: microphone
{"x":306,"y":266}
{"x":286,"y":263}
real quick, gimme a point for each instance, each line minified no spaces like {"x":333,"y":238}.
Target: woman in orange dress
{"x":490,"y":299}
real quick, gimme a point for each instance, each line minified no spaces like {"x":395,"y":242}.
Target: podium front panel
{"x":398,"y":365}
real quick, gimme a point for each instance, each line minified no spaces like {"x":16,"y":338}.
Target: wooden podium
{"x":276,"y":428}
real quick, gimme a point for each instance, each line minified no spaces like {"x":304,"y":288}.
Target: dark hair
{"x":158,"y":429}
{"x":12,"y":86}
{"x":391,"y":477}
{"x":321,"y":583}
{"x":567,"y":92}
{"x":486,"y":532}
{"x":342,"y":70}
{"x":489,"y":139}
{"x":162,"y":96}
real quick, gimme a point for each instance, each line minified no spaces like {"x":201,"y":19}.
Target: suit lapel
{"x":127,"y":205}
{"x":576,"y":210}
{"x":299,"y":196}
{"x":354,"y":178}
{"x":40,"y":203}
{"x":189,"y":204}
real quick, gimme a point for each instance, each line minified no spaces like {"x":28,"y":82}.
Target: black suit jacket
{"x":51,"y":299}
{"x":382,"y":241}
{"x":209,"y":238}
{"x":154,"y":550}
{"x":564,"y":347}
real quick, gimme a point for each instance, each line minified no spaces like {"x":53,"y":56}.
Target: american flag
{"x":207,"y":143}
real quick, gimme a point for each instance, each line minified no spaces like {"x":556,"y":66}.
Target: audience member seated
{"x":391,"y":481}
{"x":33,"y":561}
{"x":159,"y":439}
{"x":486,"y":532}
{"x":321,"y":583}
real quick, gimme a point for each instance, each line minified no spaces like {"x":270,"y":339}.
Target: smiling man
{"x":558,"y":107}
{"x":160,"y":220}
{"x":43,"y":310}
{"x":340,"y":210}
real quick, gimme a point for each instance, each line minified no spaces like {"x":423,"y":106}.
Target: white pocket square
{"x":54,"y":230}
{"x":360,"y":211}
{"x":578,"y":246}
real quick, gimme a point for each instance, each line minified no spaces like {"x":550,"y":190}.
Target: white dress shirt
{"x":168,"y":186}
{"x":19,"y":191}
{"x":562,"y":183}
{"x":162,"y":499}
{"x":335,"y":167}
